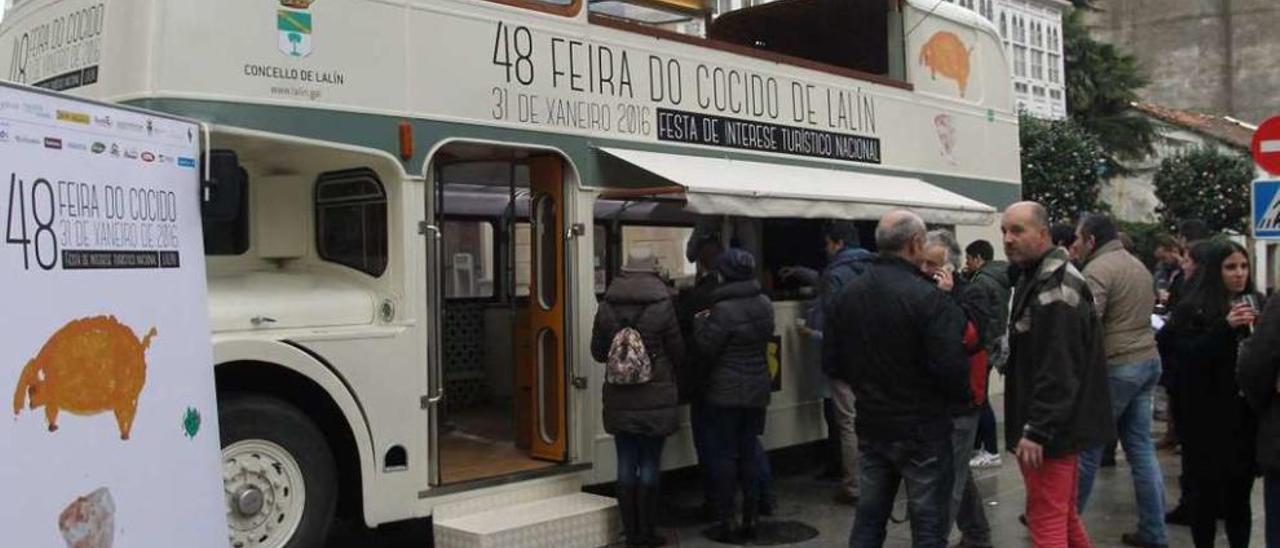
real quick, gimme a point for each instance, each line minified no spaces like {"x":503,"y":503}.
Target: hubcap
{"x":249,"y":501}
{"x":265,"y":493}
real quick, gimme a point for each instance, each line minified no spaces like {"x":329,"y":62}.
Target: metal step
{"x":544,"y":517}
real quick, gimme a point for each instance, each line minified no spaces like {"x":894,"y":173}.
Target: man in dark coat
{"x":1057,"y":401}
{"x":897,"y":340}
{"x":733,"y":335}
{"x":1256,"y":372}
{"x":942,"y":261}
{"x":640,"y":416}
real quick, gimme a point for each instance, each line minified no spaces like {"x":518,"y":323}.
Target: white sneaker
{"x":984,"y":459}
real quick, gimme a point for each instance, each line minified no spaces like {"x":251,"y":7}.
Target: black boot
{"x":726,"y":532}
{"x":629,"y":508}
{"x":648,"y":516}
{"x":750,"y":516}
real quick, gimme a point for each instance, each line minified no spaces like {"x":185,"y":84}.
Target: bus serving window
{"x":468,"y":259}
{"x":351,"y":220}
{"x":799,"y":243}
{"x":667,"y":243}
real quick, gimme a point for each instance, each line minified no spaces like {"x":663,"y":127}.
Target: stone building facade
{"x":1215,"y":56}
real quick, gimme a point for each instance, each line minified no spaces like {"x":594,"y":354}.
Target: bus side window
{"x":351,"y":220}
{"x":469,"y":257}
{"x":667,"y":243}
{"x":600,"y":258}
{"x":524,"y":258}
{"x":230,"y":237}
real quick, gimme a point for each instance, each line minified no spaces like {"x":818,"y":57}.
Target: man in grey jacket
{"x":1124,"y":299}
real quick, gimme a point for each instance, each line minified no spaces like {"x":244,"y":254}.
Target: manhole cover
{"x":775,"y":533}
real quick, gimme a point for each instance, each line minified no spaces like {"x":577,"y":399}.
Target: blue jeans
{"x":1132,"y":387}
{"x":966,"y":504}
{"x":639,"y":458}
{"x":925,"y":465}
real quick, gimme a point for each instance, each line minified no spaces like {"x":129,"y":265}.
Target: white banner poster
{"x":112,"y":436}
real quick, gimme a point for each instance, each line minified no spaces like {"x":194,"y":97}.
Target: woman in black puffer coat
{"x":734,"y":335}
{"x":640,"y":416}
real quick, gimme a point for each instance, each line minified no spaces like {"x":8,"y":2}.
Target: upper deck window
{"x":856,"y":35}
{"x":558,"y":7}
{"x":846,"y":34}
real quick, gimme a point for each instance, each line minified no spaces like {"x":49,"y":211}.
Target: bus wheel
{"x":278,"y":476}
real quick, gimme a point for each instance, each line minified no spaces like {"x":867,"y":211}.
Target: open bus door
{"x":546,"y":377}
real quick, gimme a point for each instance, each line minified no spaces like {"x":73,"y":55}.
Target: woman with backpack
{"x":637,"y":337}
{"x":733,"y":334}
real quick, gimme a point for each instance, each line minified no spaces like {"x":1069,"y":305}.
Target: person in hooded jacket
{"x":1256,"y":372}
{"x":990,"y":278}
{"x":640,"y":416}
{"x":848,"y":260}
{"x":733,"y":335}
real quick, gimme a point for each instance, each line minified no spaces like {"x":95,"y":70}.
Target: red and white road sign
{"x":1266,"y":145}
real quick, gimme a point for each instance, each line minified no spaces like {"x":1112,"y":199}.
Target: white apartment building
{"x":1032,"y":32}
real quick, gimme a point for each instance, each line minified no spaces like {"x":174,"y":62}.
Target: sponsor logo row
{"x":98,"y":147}
{"x":139,"y":126}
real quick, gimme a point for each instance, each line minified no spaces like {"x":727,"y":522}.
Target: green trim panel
{"x":381,"y":132}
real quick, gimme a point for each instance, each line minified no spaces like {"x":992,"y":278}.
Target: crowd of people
{"x":1083,"y":332}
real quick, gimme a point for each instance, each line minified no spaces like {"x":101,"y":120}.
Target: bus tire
{"x":278,"y":474}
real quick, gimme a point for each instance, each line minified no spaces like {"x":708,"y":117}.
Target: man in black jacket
{"x":1057,"y":401}
{"x":897,"y":340}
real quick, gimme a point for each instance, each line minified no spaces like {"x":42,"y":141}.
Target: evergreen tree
{"x":1061,"y":162}
{"x":1102,"y":83}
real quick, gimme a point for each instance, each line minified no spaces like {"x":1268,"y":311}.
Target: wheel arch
{"x":277,"y":369}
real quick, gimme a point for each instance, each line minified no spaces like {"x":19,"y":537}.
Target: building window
{"x":1037,"y":35}
{"x":1004,"y":26}
{"x":1020,"y":61}
{"x":1020,"y":87}
{"x":1038,"y":91}
{"x":351,"y":220}
{"x":1037,"y":65}
{"x":1055,"y":73}
{"x":1055,"y":94}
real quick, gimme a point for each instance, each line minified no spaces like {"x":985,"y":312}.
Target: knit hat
{"x":736,"y":265}
{"x":641,"y":259}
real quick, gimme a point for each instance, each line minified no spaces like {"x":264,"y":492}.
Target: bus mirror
{"x":223,"y":192}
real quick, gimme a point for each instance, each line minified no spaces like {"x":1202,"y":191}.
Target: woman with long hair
{"x":1204,"y":334}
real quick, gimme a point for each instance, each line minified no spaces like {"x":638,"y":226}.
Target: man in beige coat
{"x":1124,"y":297}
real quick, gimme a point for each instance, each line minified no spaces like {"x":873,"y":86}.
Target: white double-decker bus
{"x":418,"y":203}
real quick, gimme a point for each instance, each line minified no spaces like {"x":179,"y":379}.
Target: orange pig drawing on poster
{"x":89,"y":366}
{"x":947,"y":55}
